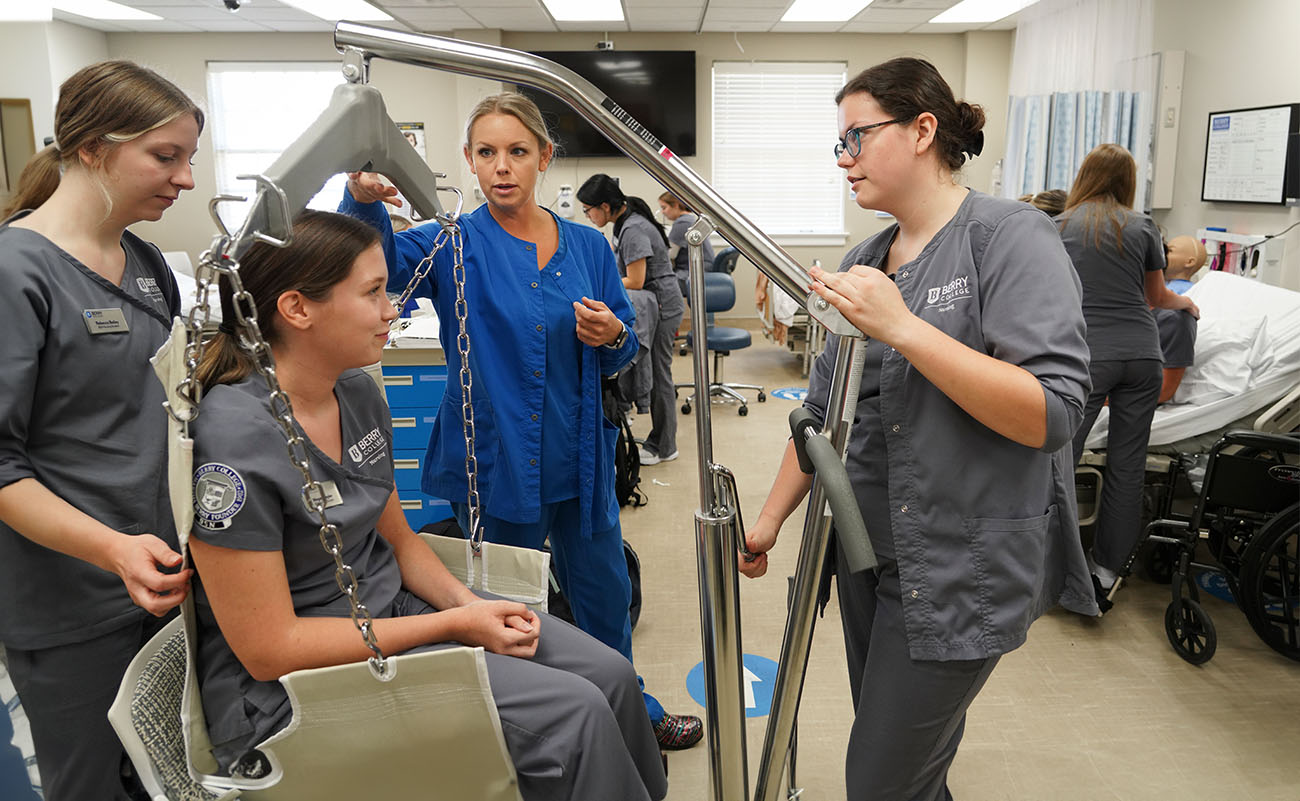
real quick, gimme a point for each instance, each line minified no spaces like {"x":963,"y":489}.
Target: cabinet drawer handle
{"x":412,"y":505}
{"x":399,"y":380}
{"x":406,"y":464}
{"x":403,"y":422}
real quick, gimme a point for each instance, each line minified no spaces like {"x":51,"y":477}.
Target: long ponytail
{"x":38,"y":180}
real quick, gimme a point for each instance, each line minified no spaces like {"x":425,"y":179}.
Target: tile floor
{"x":1101,"y":710}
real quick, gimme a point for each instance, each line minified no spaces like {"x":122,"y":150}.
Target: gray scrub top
{"x":639,"y":238}
{"x":985,"y":530}
{"x":1120,"y":324}
{"x":1177,"y":337}
{"x":248,"y":496}
{"x":81,"y":412}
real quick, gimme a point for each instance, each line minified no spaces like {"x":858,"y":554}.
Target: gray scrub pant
{"x":573,"y":718}
{"x":662,"y":438}
{"x":910,"y":713}
{"x":1133,"y":388}
{"x":66,"y":692}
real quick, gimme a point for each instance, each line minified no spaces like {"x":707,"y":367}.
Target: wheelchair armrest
{"x":1287,"y":443}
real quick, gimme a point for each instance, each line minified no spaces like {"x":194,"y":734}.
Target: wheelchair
{"x":1247,"y":517}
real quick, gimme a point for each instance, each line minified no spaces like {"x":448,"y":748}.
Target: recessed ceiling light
{"x":982,"y":10}
{"x":585,"y":10}
{"x":824,"y":10}
{"x":26,"y":12}
{"x":103,"y":9}
{"x":335,"y":10}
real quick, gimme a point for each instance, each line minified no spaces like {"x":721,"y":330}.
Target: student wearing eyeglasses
{"x":975,"y":378}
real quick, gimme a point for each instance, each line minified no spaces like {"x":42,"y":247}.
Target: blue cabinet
{"x":414,"y":380}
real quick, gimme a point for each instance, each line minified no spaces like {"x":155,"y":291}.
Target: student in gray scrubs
{"x":86,"y":540}
{"x":642,"y":249}
{"x":265,"y":591}
{"x":682,"y":218}
{"x":975,"y":379}
{"x":1120,"y":259}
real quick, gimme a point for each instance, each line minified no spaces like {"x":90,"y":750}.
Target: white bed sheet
{"x":1247,"y":357}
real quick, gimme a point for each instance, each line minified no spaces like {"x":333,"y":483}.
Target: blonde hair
{"x":99,"y":107}
{"x":1107,"y":183}
{"x":517,"y":106}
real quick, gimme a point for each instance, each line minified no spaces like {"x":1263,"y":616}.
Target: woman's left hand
{"x":597,"y":325}
{"x":867,"y":298}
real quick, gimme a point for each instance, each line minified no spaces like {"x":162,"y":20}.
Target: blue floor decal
{"x":759,"y":678}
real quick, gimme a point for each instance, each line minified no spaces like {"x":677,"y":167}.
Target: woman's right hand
{"x":137,"y":559}
{"x":502,"y":627}
{"x":1190,"y":307}
{"x":365,"y":187}
{"x":758,"y":541}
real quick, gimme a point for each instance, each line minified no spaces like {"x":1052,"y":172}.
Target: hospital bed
{"x":1221,"y":468}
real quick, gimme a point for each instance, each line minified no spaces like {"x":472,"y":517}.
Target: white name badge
{"x":105,"y":321}
{"x":332,"y":495}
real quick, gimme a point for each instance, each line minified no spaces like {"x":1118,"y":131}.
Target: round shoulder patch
{"x":219,"y":494}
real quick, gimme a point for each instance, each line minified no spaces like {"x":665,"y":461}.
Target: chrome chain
{"x":313,"y":495}
{"x":451,"y":233}
{"x":466,"y":392}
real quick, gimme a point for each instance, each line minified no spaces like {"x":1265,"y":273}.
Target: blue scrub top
{"x":510,"y":333}
{"x":562,"y":400}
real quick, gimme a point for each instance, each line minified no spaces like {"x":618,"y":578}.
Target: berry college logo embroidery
{"x":219,"y":494}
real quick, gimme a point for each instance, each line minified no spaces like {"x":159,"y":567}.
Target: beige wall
{"x":976,"y":65}
{"x":1239,"y":59}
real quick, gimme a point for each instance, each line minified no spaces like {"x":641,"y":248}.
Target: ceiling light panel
{"x":968,"y":11}
{"x":585,"y":10}
{"x":103,"y":9}
{"x":824,"y":10}
{"x":334,"y":10}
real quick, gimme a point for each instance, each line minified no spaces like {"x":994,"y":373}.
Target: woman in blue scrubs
{"x":547,"y":318}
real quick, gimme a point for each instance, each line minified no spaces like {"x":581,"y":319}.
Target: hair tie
{"x":228,"y":328}
{"x":976,"y":145}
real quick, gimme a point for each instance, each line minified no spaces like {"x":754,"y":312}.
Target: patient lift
{"x":354,"y":133}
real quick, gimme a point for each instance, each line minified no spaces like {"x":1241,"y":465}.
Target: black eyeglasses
{"x":852,"y":141}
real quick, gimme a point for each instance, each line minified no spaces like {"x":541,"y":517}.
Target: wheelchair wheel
{"x":1271,"y":583}
{"x":1190,"y":631}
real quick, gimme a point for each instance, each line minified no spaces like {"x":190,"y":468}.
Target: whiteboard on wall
{"x":1253,"y":155}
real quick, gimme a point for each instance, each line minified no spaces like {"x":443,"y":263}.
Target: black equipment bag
{"x":558,"y":605}
{"x":627,"y":455}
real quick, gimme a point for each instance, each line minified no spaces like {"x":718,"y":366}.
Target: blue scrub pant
{"x":592,"y":573}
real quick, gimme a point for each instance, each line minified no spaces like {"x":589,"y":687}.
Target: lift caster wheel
{"x":762,"y":398}
{"x":1190,"y":631}
{"x":744,"y":410}
{"x":686,"y":408}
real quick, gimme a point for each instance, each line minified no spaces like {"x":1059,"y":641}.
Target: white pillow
{"x":1225,"y":348}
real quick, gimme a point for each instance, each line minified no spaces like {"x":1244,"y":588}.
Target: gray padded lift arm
{"x":353,"y":133}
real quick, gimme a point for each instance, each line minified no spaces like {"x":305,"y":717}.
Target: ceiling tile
{"x":914,"y":16}
{"x":857,"y":26}
{"x":736,"y":27}
{"x":507,"y":18}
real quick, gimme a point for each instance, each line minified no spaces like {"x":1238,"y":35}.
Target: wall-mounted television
{"x":1252,"y":155}
{"x":656,"y":87}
